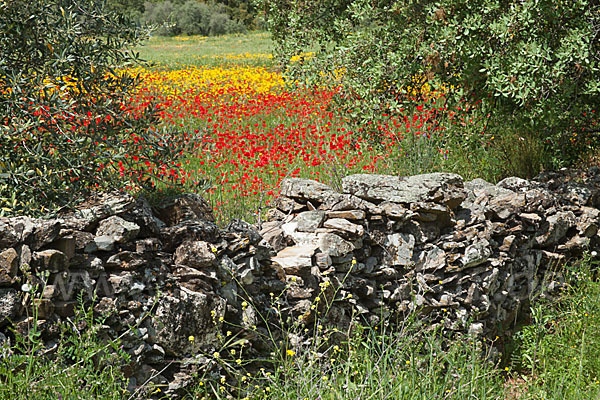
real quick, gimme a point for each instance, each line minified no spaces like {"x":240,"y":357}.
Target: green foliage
{"x":191,"y":18}
{"x":558,"y":354}
{"x":65,"y":125}
{"x":533,"y":64}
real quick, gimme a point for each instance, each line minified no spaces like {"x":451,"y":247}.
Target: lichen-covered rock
{"x":186,"y":314}
{"x":441,"y":188}
{"x":304,"y":189}
{"x":118,"y":228}
{"x":9,"y":264}
{"x":195,"y":254}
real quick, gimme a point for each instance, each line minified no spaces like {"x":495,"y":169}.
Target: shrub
{"x":533,"y":65}
{"x":66,"y":129}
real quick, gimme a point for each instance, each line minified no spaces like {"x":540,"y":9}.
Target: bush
{"x":66,"y":128}
{"x":533,"y":65}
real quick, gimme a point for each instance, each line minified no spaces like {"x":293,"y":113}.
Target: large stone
{"x":9,"y":264}
{"x":116,"y":227}
{"x":295,"y":259}
{"x":437,"y":187}
{"x":173,"y":236}
{"x":309,"y":221}
{"x":358,"y":215}
{"x":304,"y":189}
{"x":398,"y":249}
{"x":8,"y":237}
{"x":186,"y":314}
{"x":100,"y":207}
{"x":334,"y":246}
{"x":345,"y":227}
{"x":44,"y":233}
{"x":50,"y":260}
{"x":273,"y":234}
{"x":195,"y":254}
{"x":558,"y":225}
{"x":476,"y":253}
{"x":185,"y":208}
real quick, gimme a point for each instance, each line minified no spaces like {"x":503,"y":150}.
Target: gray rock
{"x":102,"y":243}
{"x":9,"y":264}
{"x":100,"y":207}
{"x":514,"y":183}
{"x":195,"y":254}
{"x":477,"y":253}
{"x":309,"y":221}
{"x":273,"y":234}
{"x":558,"y":225}
{"x":344,"y":226}
{"x":399,"y":249}
{"x":50,"y":260}
{"x":437,"y":187}
{"x":334,"y":246}
{"x":358,"y":215}
{"x":187,"y":313}
{"x":304,"y":189}
{"x":121,"y":230}
{"x":295,"y":259}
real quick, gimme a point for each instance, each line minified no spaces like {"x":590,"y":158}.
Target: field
{"x":246,"y":129}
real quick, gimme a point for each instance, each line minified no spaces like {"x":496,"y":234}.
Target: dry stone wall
{"x":466,"y":255}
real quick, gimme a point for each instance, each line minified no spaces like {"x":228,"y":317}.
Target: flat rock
{"x":399,"y":249}
{"x":118,"y":228}
{"x":295,"y":259}
{"x":344,"y":226}
{"x":437,"y":187}
{"x":309,"y":221}
{"x":334,"y":246}
{"x":304,"y":189}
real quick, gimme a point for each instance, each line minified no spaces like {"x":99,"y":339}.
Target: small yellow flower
{"x":216,"y":354}
{"x":238,"y":361}
{"x":191,"y":338}
{"x":291,"y":353}
{"x":244,"y":304}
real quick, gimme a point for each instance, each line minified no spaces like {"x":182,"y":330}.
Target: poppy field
{"x":244,"y":130}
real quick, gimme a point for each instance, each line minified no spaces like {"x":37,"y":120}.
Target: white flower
{"x":26,"y":287}
{"x":594,"y":253}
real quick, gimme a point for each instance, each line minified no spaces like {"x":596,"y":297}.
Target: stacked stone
{"x":171,"y":284}
{"x":469,"y":255}
{"x":159,"y":276}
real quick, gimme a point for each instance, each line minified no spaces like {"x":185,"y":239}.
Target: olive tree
{"x":67,"y":126}
{"x":533,"y":64}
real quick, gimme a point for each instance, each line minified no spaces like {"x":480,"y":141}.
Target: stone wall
{"x":465,"y":255}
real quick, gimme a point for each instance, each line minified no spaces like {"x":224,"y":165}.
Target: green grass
{"x":180,"y":51}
